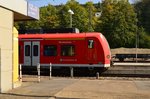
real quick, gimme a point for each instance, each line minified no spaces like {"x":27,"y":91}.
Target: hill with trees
{"x":122,"y":23}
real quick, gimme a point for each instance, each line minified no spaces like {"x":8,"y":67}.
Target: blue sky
{"x":40,"y":3}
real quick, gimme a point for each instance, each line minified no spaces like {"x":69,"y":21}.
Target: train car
{"x":122,"y":57}
{"x":130,"y":54}
{"x":64,"y":50}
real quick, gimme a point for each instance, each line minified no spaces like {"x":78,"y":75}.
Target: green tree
{"x":143,"y":11}
{"x":143,"y":14}
{"x":92,"y":19}
{"x":79,"y":18}
{"x":48,"y":17}
{"x":118,"y":23}
{"x":144,"y":39}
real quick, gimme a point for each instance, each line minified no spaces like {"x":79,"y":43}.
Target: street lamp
{"x":71,"y":13}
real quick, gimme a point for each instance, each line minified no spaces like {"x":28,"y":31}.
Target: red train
{"x":76,"y":50}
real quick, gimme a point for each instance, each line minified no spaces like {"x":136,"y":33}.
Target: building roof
{"x":21,"y":8}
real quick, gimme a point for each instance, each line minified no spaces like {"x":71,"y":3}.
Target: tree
{"x":92,"y":19}
{"x":48,"y":17}
{"x":79,"y":18}
{"x":143,"y":11}
{"x":144,"y":39}
{"x":143,"y":14}
{"x":118,"y":23}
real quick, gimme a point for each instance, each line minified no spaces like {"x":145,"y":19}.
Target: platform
{"x":131,"y":64}
{"x":67,"y":88}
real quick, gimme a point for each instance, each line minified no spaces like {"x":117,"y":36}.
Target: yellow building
{"x":10,"y":11}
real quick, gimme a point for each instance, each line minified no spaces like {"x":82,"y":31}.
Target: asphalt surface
{"x":76,"y":88}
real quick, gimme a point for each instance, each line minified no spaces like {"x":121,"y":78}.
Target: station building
{"x":11,"y":11}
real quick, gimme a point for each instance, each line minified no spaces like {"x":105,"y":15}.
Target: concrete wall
{"x":22,"y":9}
{"x":19,"y":6}
{"x":10,"y":11}
{"x":6,"y":27}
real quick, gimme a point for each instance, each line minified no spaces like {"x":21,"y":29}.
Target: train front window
{"x":35,"y":50}
{"x":90,"y":43}
{"x":27,"y":50}
{"x":67,"y":50}
{"x":50,"y":50}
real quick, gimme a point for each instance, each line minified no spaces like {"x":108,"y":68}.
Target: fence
{"x":50,"y":72}
{"x":38,"y":72}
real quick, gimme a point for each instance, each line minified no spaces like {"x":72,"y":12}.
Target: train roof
{"x":49,"y":31}
{"x":64,"y":35}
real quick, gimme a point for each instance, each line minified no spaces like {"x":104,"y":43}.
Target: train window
{"x":50,"y":50}
{"x":27,"y":50}
{"x":35,"y":50}
{"x":67,"y":50}
{"x":90,"y":43}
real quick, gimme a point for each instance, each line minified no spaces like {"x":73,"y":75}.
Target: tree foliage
{"x":118,"y":20}
{"x":118,"y":23}
{"x":79,"y":18}
{"x":92,"y":19}
{"x":143,"y":11}
{"x":49,"y":18}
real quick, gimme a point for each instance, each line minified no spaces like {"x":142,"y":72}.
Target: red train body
{"x":76,"y":50}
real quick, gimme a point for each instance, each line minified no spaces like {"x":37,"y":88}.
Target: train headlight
{"x":108,"y":56}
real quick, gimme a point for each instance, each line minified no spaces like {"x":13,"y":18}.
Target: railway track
{"x":129,"y":69}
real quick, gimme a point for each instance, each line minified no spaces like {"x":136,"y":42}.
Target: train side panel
{"x":75,"y":50}
{"x":105,"y":50}
{"x":63,"y":51}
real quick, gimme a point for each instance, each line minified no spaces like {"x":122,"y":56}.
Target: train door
{"x":27,"y":53}
{"x":91,"y":50}
{"x":35,"y":53}
{"x":31,"y":53}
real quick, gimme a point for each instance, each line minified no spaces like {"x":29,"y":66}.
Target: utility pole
{"x":90,"y":19}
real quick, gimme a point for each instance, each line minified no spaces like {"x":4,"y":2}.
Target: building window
{"x":90,"y":43}
{"x":35,"y":49}
{"x":27,"y":50}
{"x":67,"y":50}
{"x":50,"y":50}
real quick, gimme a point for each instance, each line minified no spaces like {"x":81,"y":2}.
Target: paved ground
{"x":67,"y":88}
